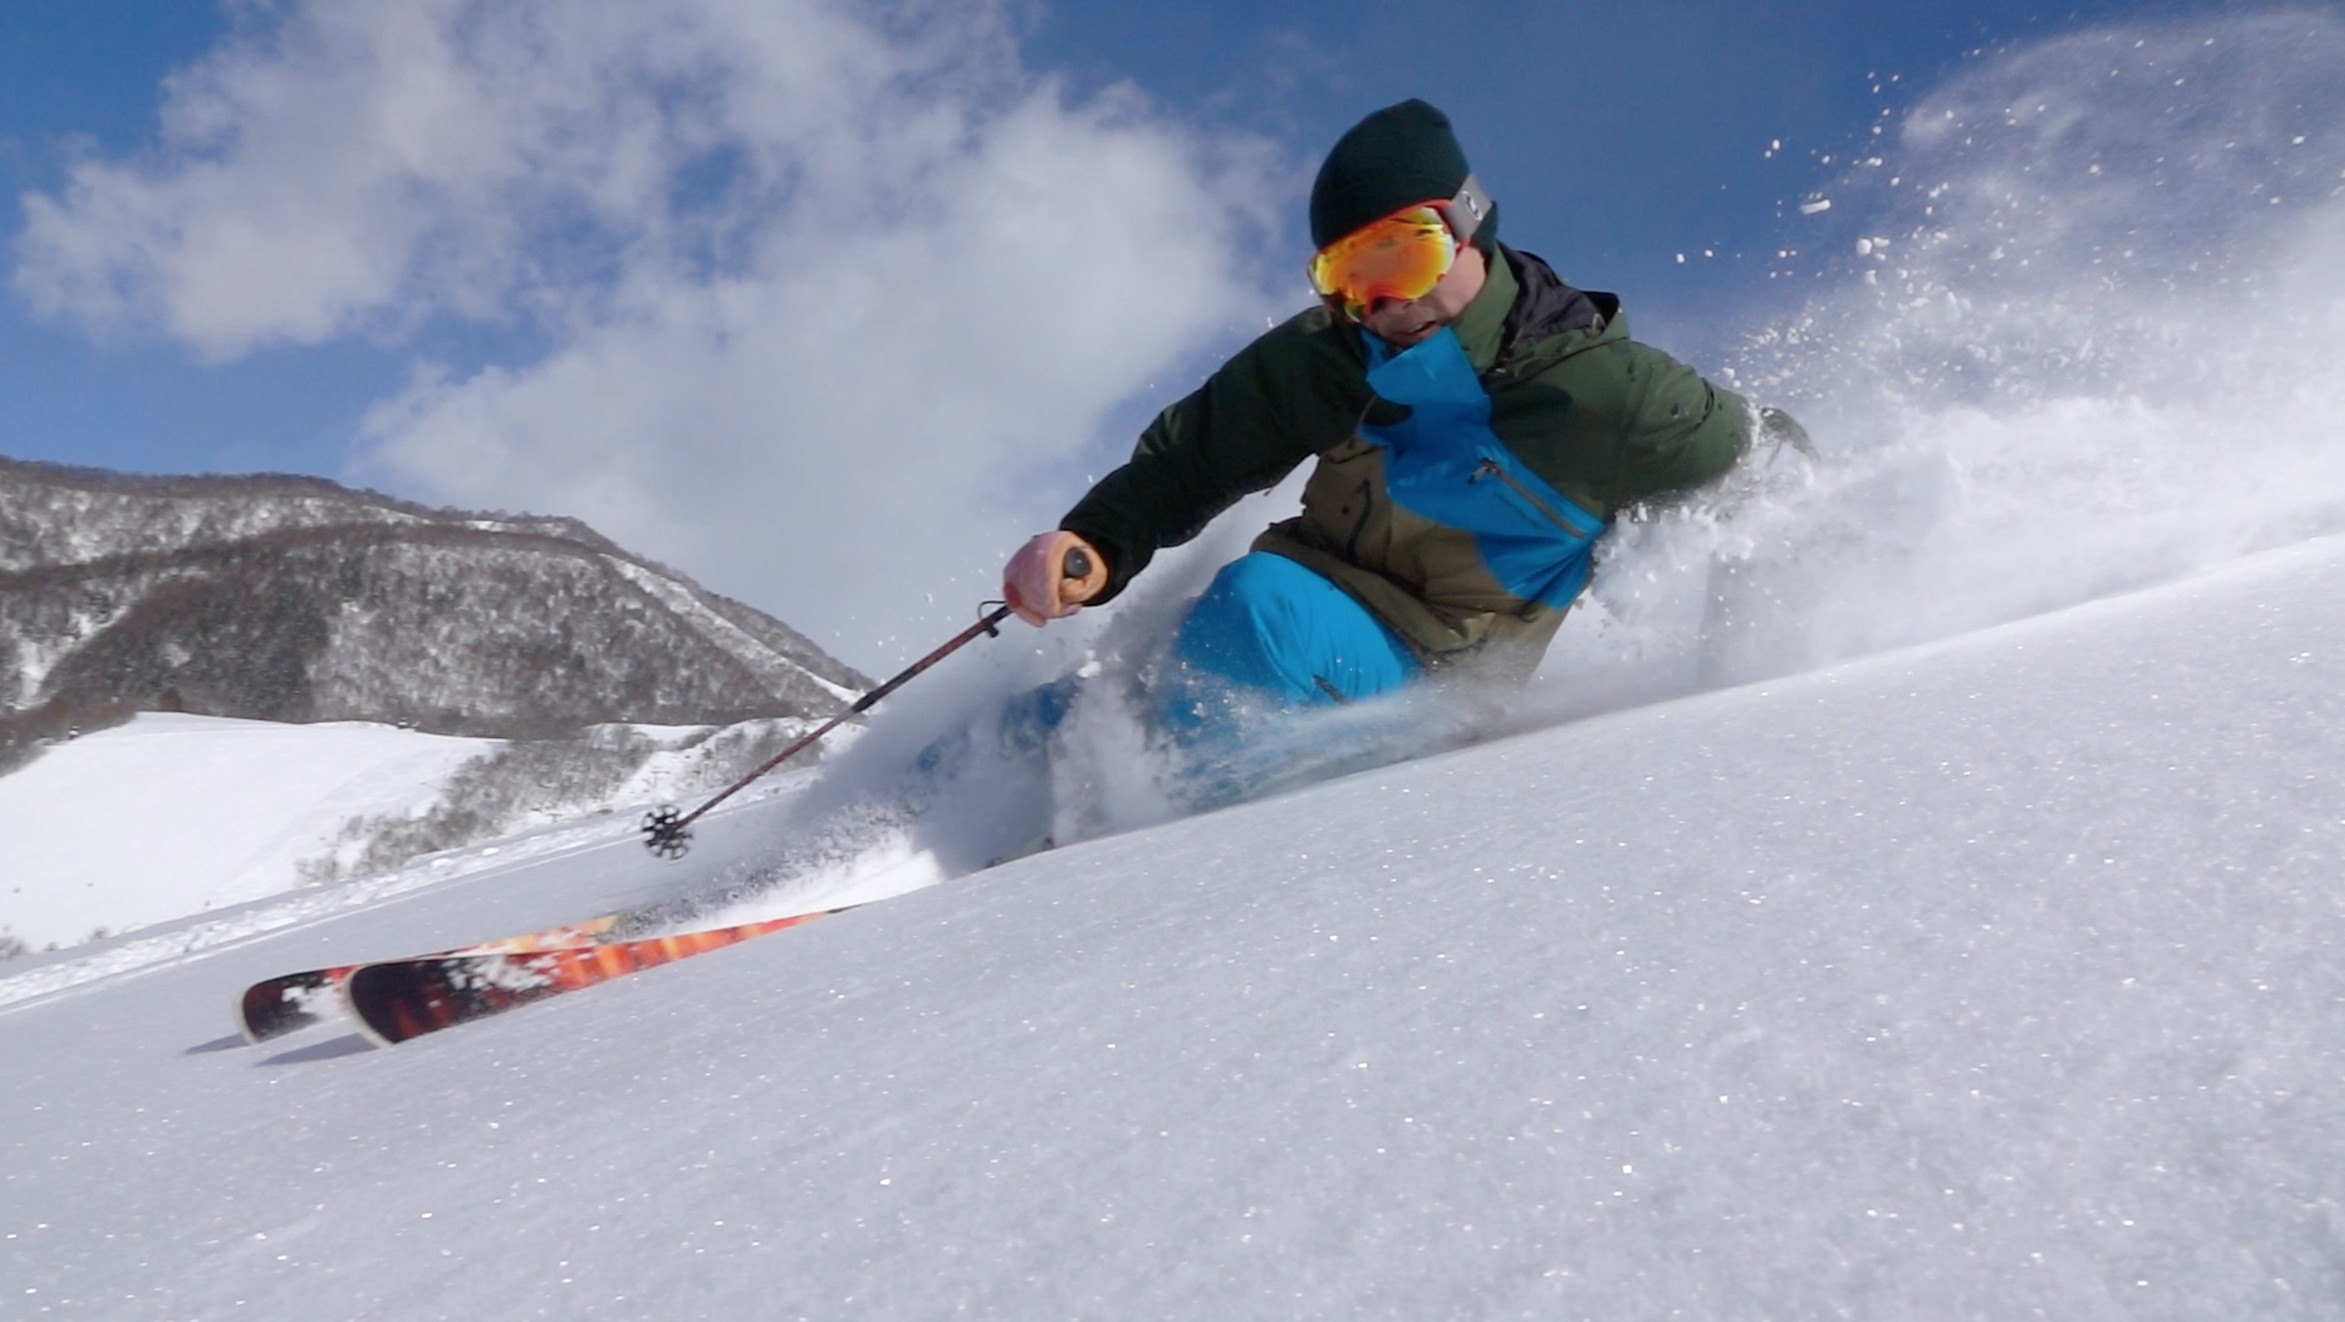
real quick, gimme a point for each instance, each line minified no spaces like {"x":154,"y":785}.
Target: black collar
{"x":1544,"y":305}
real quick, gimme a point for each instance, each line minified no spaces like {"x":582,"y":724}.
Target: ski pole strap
{"x":668,"y":834}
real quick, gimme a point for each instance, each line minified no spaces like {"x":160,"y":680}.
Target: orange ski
{"x":293,"y":1001}
{"x":408,"y":998}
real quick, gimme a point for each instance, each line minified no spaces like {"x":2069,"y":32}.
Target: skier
{"x":1478,"y":423}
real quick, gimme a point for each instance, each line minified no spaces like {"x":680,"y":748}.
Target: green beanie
{"x":1400,"y":155}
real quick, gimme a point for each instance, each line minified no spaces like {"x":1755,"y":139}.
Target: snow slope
{"x":175,"y":817}
{"x":1997,"y":977}
{"x":175,"y":814}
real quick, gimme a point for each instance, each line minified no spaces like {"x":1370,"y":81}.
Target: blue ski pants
{"x":1273,"y":633}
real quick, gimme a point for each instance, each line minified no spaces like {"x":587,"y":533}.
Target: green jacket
{"x":1604,"y":420}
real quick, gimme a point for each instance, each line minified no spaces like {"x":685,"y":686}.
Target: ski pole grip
{"x":1083,"y":574}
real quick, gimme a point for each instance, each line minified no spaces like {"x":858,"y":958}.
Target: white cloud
{"x":832,"y":293}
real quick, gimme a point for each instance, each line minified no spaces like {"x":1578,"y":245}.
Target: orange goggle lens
{"x":1401,"y":256}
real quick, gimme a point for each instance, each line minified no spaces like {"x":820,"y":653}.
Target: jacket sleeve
{"x":1299,"y":389}
{"x":1681,"y":433}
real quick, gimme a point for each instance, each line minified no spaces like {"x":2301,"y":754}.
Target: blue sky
{"x":397,"y":352}
{"x":1616,"y":136}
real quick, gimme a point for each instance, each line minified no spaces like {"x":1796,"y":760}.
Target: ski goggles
{"x":1400,"y":256}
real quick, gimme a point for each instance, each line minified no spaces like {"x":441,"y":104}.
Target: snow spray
{"x":2074,"y":333}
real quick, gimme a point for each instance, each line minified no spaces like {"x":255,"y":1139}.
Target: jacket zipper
{"x":1490,"y":468}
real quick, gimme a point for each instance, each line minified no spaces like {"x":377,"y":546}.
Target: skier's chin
{"x":1411,"y":337}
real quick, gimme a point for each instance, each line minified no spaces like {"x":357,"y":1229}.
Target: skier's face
{"x":1402,"y":323}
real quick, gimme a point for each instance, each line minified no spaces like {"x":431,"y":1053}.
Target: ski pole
{"x":668,"y":833}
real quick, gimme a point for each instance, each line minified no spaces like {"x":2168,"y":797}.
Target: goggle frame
{"x":1460,"y":215}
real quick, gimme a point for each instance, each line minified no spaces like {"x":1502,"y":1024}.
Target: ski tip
{"x":255,"y":1028}
{"x":356,"y":1002}
{"x":274,"y":1008}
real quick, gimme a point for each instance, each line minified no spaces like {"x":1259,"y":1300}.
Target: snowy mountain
{"x":1994,"y":977}
{"x":294,"y":599}
{"x":428,"y":679}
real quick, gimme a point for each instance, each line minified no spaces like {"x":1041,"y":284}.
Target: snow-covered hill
{"x":544,"y":651}
{"x":1998,"y":977}
{"x":172,"y":815}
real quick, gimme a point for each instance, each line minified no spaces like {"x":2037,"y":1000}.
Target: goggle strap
{"x":1466,"y":211}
